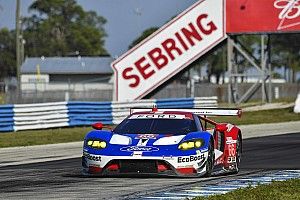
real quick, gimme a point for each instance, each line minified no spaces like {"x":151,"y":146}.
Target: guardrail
{"x":67,"y":114}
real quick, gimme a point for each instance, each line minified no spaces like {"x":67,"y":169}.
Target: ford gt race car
{"x":165,"y":142}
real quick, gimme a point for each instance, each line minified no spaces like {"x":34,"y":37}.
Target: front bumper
{"x":193,"y":165}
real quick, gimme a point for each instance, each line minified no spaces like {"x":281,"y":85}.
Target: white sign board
{"x":169,"y":50}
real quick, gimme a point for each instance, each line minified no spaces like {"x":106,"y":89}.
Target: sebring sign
{"x":169,"y":50}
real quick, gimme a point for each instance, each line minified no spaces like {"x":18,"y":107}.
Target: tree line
{"x":55,"y":28}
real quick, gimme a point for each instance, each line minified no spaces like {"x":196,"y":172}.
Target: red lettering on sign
{"x":190,"y":34}
{"x":170,"y":45}
{"x":135,"y":78}
{"x":211,"y":26}
{"x":142,"y":68}
{"x":158,"y":58}
{"x":181,"y":41}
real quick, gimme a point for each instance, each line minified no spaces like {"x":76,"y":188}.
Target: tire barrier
{"x":67,"y":114}
{"x":6,"y":118}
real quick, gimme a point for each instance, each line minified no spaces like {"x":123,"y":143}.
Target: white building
{"x":66,"y":73}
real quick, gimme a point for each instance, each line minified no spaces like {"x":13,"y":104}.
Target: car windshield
{"x":157,"y":126}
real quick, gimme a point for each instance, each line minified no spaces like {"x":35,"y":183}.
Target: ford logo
{"x":139,"y":148}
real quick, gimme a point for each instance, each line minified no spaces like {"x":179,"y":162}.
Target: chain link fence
{"x":279,"y":90}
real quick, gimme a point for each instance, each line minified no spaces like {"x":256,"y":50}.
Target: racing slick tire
{"x":210,"y":160}
{"x":238,"y":155}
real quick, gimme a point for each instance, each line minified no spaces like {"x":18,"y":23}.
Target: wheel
{"x":210,"y":160}
{"x":238,"y":154}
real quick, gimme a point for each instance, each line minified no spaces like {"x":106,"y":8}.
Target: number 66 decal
{"x":231,"y":150}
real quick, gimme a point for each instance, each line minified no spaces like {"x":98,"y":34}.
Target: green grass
{"x":285,"y":190}
{"x":264,"y":116}
{"x":48,"y":136}
{"x":2,"y":98}
{"x":285,"y":100}
{"x":61,"y":135}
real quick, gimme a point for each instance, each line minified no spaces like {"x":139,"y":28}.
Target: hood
{"x":148,"y":144}
{"x":145,"y":139}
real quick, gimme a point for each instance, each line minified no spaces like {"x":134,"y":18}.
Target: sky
{"x":126,"y":19}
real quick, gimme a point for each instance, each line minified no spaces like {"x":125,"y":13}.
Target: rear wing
{"x":197,"y":111}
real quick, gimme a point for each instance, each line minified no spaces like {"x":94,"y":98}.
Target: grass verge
{"x":61,"y":135}
{"x":48,"y":136}
{"x":264,"y":116}
{"x":2,"y":98}
{"x":286,"y":190}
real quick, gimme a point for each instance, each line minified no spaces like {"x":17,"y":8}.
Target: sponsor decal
{"x":219,"y":161}
{"x":168,"y":158}
{"x":229,"y":127}
{"x":231,"y":150}
{"x":137,"y":154}
{"x":191,"y":158}
{"x":157,"y":116}
{"x":229,"y":140}
{"x":281,"y":16}
{"x":289,"y":13}
{"x":231,"y":159}
{"x":146,"y":136}
{"x":92,"y":157}
{"x":139,"y":148}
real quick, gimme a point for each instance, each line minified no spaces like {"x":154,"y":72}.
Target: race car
{"x":171,"y":142}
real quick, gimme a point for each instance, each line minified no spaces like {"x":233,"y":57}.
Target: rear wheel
{"x":238,"y":154}
{"x":210,"y":160}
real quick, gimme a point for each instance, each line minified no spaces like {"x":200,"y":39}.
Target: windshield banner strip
{"x":157,"y":116}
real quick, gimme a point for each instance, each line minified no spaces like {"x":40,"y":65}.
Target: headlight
{"x":194,"y":144}
{"x":96,"y":144}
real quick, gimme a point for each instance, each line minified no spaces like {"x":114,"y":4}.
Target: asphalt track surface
{"x":62,"y":179}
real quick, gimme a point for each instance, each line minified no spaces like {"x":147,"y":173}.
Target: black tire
{"x":238,"y":154}
{"x":210,"y":159}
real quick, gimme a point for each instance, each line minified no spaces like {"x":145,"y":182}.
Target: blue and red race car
{"x":165,"y":142}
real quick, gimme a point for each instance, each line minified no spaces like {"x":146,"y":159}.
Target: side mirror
{"x":221,"y":127}
{"x":97,"y":126}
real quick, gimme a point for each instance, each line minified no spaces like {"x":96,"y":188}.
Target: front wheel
{"x":210,"y":160}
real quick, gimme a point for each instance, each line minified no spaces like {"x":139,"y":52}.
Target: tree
{"x":62,"y":27}
{"x":215,"y":62}
{"x":286,"y":52}
{"x":146,"y":33}
{"x":7,"y":52}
